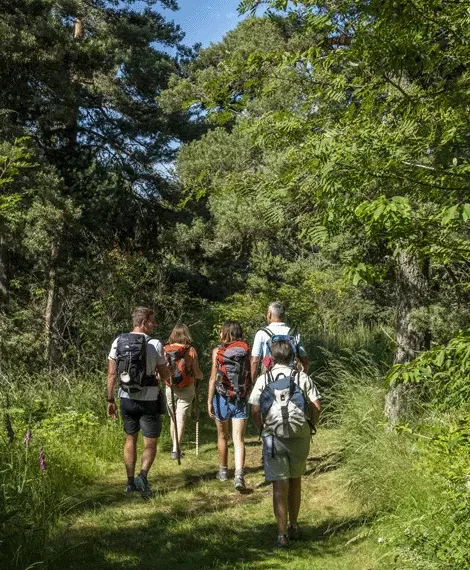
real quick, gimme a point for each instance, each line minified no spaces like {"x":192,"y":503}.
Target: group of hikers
{"x":271,"y":378}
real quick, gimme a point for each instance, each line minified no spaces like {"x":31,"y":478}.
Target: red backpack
{"x":233,"y":369}
{"x":179,"y":363}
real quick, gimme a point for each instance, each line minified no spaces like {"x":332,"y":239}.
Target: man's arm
{"x":256,"y":415}
{"x":163,"y":372}
{"x":112,"y":411}
{"x":254,"y":365}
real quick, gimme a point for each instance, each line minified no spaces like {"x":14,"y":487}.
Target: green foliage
{"x":443,"y":371}
{"x":66,"y":417}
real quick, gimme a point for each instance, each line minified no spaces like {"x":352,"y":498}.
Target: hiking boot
{"x":293,"y":532}
{"x":282,"y":541}
{"x":239,"y":482}
{"x":130,"y":488}
{"x":222,"y":475}
{"x":142,"y":485}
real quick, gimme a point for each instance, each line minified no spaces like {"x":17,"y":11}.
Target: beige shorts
{"x":289,"y":459}
{"x":183,"y":400}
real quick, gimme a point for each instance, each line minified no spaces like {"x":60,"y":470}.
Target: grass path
{"x":195,"y":521}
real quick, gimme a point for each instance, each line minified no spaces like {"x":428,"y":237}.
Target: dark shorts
{"x":140,"y":414}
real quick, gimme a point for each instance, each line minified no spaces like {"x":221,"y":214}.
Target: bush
{"x":412,"y":481}
{"x":71,"y":440}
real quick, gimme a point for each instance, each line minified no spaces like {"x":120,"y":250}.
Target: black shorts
{"x":141,"y":414}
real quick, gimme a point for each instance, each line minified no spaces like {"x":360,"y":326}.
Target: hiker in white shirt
{"x":276,"y":326}
{"x":285,"y":456}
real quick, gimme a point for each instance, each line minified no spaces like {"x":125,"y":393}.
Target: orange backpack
{"x":179,"y":363}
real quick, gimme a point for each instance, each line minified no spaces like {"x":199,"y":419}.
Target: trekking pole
{"x":173,"y":417}
{"x":196,"y":408}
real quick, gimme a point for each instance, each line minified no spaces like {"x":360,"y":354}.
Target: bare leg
{"x":238,"y":436}
{"x":295,"y":493}
{"x":149,"y":452}
{"x":280,"y":494}
{"x":222,"y":445}
{"x":130,"y":453}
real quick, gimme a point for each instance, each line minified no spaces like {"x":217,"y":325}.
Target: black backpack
{"x":131,"y":359}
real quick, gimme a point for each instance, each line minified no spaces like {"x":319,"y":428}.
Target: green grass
{"x":195,"y":521}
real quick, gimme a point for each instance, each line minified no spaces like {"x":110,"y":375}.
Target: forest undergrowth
{"x":373,"y":498}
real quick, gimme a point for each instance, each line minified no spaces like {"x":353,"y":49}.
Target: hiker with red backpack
{"x":181,"y":386}
{"x":229,"y":387}
{"x":261,"y":351}
{"x":134,"y":361}
{"x":285,"y":408}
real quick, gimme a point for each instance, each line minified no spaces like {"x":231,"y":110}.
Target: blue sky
{"x":205,"y":21}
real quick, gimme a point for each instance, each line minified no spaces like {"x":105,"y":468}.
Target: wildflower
{"x":42,"y":459}
{"x":27,"y":438}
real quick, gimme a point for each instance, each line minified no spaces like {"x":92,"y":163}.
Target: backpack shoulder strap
{"x":267,"y":331}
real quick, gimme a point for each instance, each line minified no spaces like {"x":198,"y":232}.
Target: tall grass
{"x":410,"y":481}
{"x":67,"y":421}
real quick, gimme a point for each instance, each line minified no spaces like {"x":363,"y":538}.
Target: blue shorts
{"x":232,"y":410}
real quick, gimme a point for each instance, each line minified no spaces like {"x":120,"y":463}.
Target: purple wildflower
{"x":27,"y":438}
{"x":42,"y":459}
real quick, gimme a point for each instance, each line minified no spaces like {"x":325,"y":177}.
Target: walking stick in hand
{"x":196,"y":409}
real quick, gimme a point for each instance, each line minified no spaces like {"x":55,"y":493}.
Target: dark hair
{"x":230,"y":331}
{"x":282,"y":352}
{"x":141,"y":314}
{"x":180,"y":335}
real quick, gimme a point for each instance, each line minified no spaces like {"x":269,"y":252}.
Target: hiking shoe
{"x":142,"y":485}
{"x":222,"y":475}
{"x":239,"y":483}
{"x":293,"y":532}
{"x":130,"y":488}
{"x":174,"y":455}
{"x":282,"y":541}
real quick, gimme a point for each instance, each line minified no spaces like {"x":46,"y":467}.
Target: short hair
{"x":282,"y":352}
{"x":141,"y":314}
{"x":277,"y":309}
{"x":180,"y":335}
{"x":231,"y":330}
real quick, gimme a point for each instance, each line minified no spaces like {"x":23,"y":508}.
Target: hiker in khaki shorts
{"x":285,"y":406}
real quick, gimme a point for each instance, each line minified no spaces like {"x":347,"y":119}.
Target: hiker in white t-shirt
{"x":276,"y":326}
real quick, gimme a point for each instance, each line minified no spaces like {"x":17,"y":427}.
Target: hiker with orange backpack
{"x":181,"y":387}
{"x":229,"y":387}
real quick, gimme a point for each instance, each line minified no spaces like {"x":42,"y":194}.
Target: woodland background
{"x":318,"y":155}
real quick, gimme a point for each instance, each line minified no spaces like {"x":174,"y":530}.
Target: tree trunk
{"x":412,"y":293}
{"x":49,"y":317}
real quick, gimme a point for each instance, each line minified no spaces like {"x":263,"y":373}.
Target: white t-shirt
{"x":261,"y":339}
{"x":304,"y":382}
{"x":155,"y":357}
